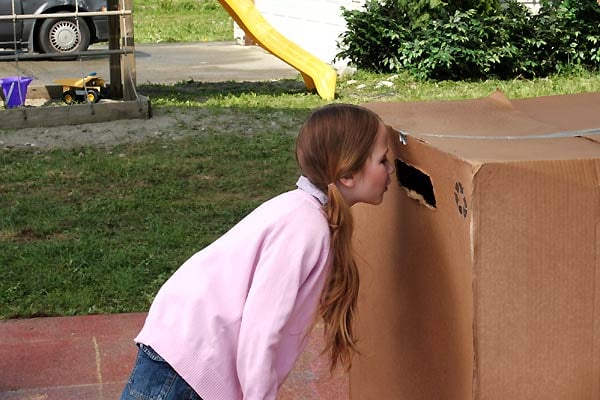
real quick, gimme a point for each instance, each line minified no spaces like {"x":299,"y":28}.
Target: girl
{"x":231,"y":321}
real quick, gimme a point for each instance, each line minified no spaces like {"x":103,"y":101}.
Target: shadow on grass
{"x":203,"y":91}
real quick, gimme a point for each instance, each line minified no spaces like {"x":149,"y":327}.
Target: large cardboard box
{"x":480,"y":272}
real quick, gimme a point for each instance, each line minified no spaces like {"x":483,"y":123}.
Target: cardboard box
{"x":480,"y":272}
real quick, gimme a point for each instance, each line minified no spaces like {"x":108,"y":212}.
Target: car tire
{"x":64,"y":36}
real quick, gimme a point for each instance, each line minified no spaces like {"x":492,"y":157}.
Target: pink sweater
{"x":233,"y":319}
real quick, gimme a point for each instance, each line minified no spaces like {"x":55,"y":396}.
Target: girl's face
{"x":370,"y":183}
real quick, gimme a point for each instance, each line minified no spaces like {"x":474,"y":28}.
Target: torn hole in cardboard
{"x":416,"y":183}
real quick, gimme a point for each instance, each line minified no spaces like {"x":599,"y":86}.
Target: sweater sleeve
{"x":292,"y":258}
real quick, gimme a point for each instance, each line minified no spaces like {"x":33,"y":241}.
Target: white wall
{"x":314,"y":25}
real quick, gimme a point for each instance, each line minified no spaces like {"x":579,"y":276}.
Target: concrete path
{"x":166,"y":63}
{"x":90,"y":358}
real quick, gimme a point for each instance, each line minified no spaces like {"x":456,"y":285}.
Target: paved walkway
{"x":166,"y":63}
{"x":90,"y":358}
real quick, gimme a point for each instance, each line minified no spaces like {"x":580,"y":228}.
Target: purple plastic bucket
{"x":15,"y":90}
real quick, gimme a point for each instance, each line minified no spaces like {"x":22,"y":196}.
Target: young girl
{"x":231,"y":321}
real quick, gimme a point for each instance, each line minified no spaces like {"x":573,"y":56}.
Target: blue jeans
{"x":153,"y":378}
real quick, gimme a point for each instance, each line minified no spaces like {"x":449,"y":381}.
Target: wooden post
{"x":114,"y":35}
{"x":248,"y":38}
{"x":128,"y":60}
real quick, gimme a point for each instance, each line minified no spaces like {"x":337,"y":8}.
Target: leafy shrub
{"x":462,"y":46}
{"x":434,"y":40}
{"x":374,"y":34}
{"x":567,"y":34}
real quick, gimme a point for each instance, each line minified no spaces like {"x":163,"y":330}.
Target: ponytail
{"x":339,"y":296}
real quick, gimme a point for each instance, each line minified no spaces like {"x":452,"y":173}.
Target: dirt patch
{"x":171,"y":122}
{"x":166,"y":123}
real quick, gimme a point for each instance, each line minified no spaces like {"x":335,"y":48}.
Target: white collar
{"x":306,"y":185}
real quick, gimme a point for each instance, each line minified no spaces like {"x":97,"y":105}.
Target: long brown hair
{"x":333,"y":143}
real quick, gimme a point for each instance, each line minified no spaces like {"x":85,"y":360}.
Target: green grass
{"x":358,"y":88}
{"x":98,"y":230}
{"x":180,"y":21}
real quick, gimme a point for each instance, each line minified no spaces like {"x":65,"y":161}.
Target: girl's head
{"x":342,"y":144}
{"x":342,"y":149}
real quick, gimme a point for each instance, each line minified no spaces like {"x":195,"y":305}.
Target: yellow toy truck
{"x":88,"y":89}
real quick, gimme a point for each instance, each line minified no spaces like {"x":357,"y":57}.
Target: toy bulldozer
{"x":88,"y":89}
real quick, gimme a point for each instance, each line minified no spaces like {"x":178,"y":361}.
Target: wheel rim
{"x":64,"y":36}
{"x":91,"y":97}
{"x":68,"y":98}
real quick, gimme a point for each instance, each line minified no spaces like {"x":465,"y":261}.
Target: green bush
{"x":472,"y":40}
{"x":567,"y":34}
{"x":373,"y":35}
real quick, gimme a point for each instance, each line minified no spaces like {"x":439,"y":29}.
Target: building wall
{"x":314,"y":25}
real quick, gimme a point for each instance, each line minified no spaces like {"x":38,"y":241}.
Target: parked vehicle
{"x":61,"y":35}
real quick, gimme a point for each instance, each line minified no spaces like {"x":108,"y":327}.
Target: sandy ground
{"x":163,"y":124}
{"x":166,"y":123}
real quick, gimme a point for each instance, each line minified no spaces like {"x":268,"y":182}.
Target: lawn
{"x":181,"y":21}
{"x":98,"y":229}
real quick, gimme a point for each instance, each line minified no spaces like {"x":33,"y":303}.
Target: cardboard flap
{"x":564,"y":112}
{"x":522,"y":129}
{"x":490,"y":116}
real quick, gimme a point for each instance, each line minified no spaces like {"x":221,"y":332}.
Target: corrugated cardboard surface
{"x":494,"y":293}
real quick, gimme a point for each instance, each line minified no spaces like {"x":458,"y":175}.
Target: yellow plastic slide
{"x":316,"y":74}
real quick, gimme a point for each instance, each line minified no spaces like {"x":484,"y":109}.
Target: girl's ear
{"x":347,"y":181}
